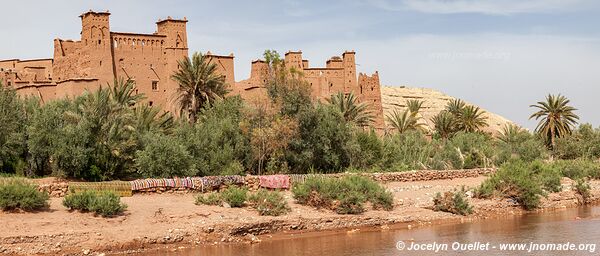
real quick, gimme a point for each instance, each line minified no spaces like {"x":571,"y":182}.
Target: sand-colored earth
{"x":158,"y":221}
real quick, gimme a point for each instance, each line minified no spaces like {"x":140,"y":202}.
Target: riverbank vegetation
{"x":345,"y":195}
{"x":111,"y":134}
{"x":453,"y":202}
{"x":271,"y":203}
{"x":103,"y":203}
{"x":19,"y":194}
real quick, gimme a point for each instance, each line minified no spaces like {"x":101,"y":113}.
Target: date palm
{"x":455,"y":107}
{"x":352,"y":111}
{"x":557,"y":118}
{"x":471,"y":119}
{"x":444,"y":124}
{"x":404,"y":121}
{"x":200,"y":84}
{"x":414,"y":106}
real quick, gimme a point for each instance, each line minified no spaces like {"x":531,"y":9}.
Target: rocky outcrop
{"x":395,"y":97}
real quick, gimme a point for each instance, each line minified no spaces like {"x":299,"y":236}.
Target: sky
{"x":502,"y":55}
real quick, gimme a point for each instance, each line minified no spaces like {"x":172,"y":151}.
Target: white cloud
{"x":492,"y":7}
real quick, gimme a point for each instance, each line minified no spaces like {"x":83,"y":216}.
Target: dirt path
{"x":153,"y":221}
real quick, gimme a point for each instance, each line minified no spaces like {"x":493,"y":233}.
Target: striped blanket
{"x":199,"y":183}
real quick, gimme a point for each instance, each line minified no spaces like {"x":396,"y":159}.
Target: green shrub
{"x":234,"y":196}
{"x":269,"y":203}
{"x":453,"y":202}
{"x":210,"y":199}
{"x":522,"y":181}
{"x":79,"y":201}
{"x":18,"y":193}
{"x":105,"y":203}
{"x":578,"y":169}
{"x":351,"y":203}
{"x":345,"y":195}
{"x":406,"y":151}
{"x":582,"y":187}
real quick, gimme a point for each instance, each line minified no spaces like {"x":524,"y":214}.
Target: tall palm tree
{"x":471,"y":119}
{"x":557,"y":118}
{"x":444,"y":124}
{"x":352,"y":111}
{"x":404,"y":121}
{"x":200,"y":84}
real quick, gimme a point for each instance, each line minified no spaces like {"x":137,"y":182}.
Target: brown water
{"x":578,"y":226}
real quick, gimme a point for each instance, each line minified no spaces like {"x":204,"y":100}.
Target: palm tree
{"x":510,"y":133}
{"x":122,"y":92}
{"x":471,"y":119}
{"x":455,"y":106}
{"x":557,"y":118}
{"x":414,"y":106}
{"x":404,"y":121}
{"x":444,"y":124}
{"x":352,"y":111}
{"x":200,"y":84}
{"x":149,"y":118}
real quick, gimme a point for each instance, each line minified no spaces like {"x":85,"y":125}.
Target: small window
{"x":100,"y":63}
{"x":9,"y":83}
{"x":150,"y":103}
{"x":155,"y":85}
{"x":99,"y":41}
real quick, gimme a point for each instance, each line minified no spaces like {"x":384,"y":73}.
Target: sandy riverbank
{"x":173,"y":221}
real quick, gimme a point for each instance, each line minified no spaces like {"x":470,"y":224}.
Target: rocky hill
{"x":433,"y":102}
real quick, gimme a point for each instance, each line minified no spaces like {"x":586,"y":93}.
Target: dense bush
{"x":520,"y":144}
{"x":406,"y":151}
{"x":582,"y":187}
{"x":322,"y":143}
{"x":104,"y":203}
{"x":216,"y":143}
{"x":210,"y":199}
{"x":366,"y":150}
{"x":584,"y":142}
{"x":16,"y":193}
{"x":522,"y":181}
{"x":453,"y":202}
{"x":12,"y":120}
{"x":465,"y":151}
{"x":270,"y":203}
{"x":164,"y":156}
{"x":578,"y":169}
{"x":345,"y":195}
{"x":235,"y":196}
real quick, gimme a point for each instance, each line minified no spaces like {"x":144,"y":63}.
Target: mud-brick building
{"x":101,"y":55}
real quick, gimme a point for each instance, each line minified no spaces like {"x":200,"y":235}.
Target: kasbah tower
{"x":149,"y":60}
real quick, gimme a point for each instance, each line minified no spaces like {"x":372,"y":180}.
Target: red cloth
{"x":274,"y":181}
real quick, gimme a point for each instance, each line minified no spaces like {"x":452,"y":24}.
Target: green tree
{"x":444,"y":124}
{"x":12,"y":125}
{"x":353,"y":112}
{"x":455,"y":106}
{"x":414,"y":106}
{"x":557,"y":118}
{"x":287,"y":89}
{"x":200,"y":85}
{"x":471,"y":119}
{"x":322,"y":142}
{"x":404,"y":121}
{"x":164,"y":156}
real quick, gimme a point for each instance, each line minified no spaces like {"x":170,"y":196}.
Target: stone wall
{"x":59,"y":188}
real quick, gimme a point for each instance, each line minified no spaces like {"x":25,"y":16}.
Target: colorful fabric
{"x":274,"y":181}
{"x":162,"y":183}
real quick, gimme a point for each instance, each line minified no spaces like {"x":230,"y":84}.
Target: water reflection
{"x":579,"y":225}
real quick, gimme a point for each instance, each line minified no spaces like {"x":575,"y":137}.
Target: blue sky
{"x":500,"y":54}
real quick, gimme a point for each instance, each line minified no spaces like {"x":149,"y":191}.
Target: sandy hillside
{"x":434,"y":101}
